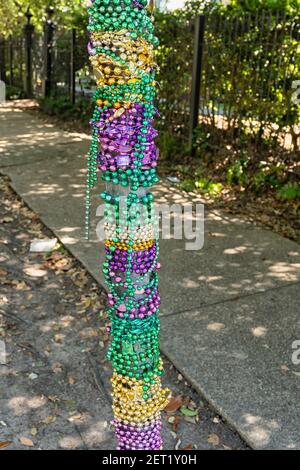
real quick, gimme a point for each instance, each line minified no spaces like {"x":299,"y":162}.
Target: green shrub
{"x":205,"y":186}
{"x":289,"y":191}
{"x":237,"y":172}
{"x":242,"y":76}
{"x":62,"y":106}
{"x":14,"y":93}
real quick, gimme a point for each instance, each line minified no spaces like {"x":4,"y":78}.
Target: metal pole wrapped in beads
{"x":121,"y":51}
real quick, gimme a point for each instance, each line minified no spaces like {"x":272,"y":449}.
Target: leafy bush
{"x":250,"y":65}
{"x":237,"y":172}
{"x":205,"y":186}
{"x":61,"y":106}
{"x":14,"y":93}
{"x":289,"y":191}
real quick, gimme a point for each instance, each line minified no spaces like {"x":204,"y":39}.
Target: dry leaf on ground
{"x":49,"y":419}
{"x":71,"y":380}
{"x":213,"y":439}
{"x":6,"y":220}
{"x":178,"y":444}
{"x":177,"y":420}
{"x":187,"y":411}
{"x":4,"y":444}
{"x":174,"y":404}
{"x":57,"y":367}
{"x":26,"y":441}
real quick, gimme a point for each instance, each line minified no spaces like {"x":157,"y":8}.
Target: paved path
{"x":229,"y":311}
{"x":54,"y":375}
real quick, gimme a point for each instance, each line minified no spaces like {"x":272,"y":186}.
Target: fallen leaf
{"x":174,"y":404}
{"x":33,"y":431}
{"x":58,"y":338}
{"x":26,"y":441}
{"x":6,"y":220}
{"x":63,"y":265}
{"x":57,"y":367}
{"x":79,"y":278}
{"x":20,"y":285}
{"x":187,"y":411}
{"x":71,"y":380}
{"x":215,"y":326}
{"x":53,"y":398}
{"x":54,"y":256}
{"x":33,"y":376}
{"x":177,"y":419}
{"x":48,"y":419}
{"x":296,"y":373}
{"x":5,"y":444}
{"x":69,"y":403}
{"x":188,"y":447}
{"x":35,"y":271}
{"x":178,"y":444}
{"x":89,"y":332}
{"x":213,"y":439}
{"x":75,"y":418}
{"x":191,"y":419}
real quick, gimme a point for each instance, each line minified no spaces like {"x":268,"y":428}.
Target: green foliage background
{"x":248,"y":74}
{"x":250,"y":70}
{"x":12,"y":14}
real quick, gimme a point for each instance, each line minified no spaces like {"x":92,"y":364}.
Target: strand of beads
{"x":121,"y":49}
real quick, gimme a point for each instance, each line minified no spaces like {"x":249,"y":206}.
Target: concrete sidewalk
{"x":229,"y":311}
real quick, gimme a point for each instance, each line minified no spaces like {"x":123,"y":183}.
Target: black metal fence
{"x":54,"y":62}
{"x":251,"y":64}
{"x":235,"y":75}
{"x":232,"y":74}
{"x":12,"y":66}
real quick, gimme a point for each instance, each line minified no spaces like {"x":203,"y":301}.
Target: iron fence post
{"x":72,"y":66}
{"x":2,"y":60}
{"x":196,"y":79}
{"x":11,"y":61}
{"x":48,"y":45}
{"x":29,"y":29}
